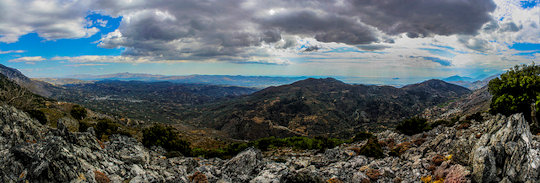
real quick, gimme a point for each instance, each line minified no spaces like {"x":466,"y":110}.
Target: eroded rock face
{"x":499,"y":149}
{"x":506,"y":151}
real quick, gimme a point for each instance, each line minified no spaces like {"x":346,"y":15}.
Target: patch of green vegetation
{"x":298,"y":143}
{"x":53,"y":115}
{"x":442,"y":122}
{"x":78,"y":112}
{"x":476,"y":117}
{"x":413,"y":126}
{"x":104,"y":128}
{"x":166,"y":137}
{"x":360,"y":136}
{"x":372,"y":149}
{"x":517,"y":91}
{"x":38,"y":115}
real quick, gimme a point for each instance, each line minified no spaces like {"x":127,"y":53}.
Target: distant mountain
{"x":37,"y":87}
{"x":472,"y":85}
{"x":244,"y":81}
{"x":457,"y":78}
{"x":151,"y":101}
{"x":321,"y":107}
{"x":63,"y":81}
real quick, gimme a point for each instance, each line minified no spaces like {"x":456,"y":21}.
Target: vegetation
{"x":399,"y":149}
{"x":38,"y":115}
{"x":149,"y":101}
{"x":413,"y":126}
{"x":166,"y":137}
{"x":517,"y":91}
{"x":299,"y":143}
{"x":442,"y":122}
{"x":17,"y":96}
{"x":360,"y":136}
{"x":372,"y":149}
{"x":78,"y":112}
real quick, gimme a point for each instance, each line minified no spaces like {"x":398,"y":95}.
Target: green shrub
{"x":78,"y":112}
{"x":166,"y":137}
{"x":304,"y":143}
{"x":38,"y":115}
{"x":476,"y":117}
{"x":106,"y":127}
{"x":361,"y":136}
{"x":372,"y":149}
{"x":83,"y":126}
{"x":517,"y":91}
{"x":413,"y":126}
{"x":441,"y":122}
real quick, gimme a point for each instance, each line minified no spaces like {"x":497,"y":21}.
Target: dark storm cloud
{"x":424,"y":17}
{"x":370,"y":47}
{"x":325,"y":27}
{"x":199,"y":29}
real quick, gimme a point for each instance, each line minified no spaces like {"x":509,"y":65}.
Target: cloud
{"x":11,"y":51}
{"x":28,"y":59}
{"x":241,"y":29}
{"x":82,"y":65}
{"x":54,"y":19}
{"x":443,"y":62}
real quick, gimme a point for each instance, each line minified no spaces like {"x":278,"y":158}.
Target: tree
{"x":517,"y":91}
{"x":413,"y":126}
{"x":78,"y":112}
{"x":166,"y":137}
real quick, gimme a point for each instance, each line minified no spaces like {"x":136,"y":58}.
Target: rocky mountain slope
{"x":37,"y":87}
{"x":499,"y":149}
{"x":477,"y":101}
{"x":326,"y":107}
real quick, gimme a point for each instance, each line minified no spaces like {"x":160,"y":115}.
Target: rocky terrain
{"x":498,"y":149}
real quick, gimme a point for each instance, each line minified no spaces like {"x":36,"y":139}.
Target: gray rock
{"x":506,"y":151}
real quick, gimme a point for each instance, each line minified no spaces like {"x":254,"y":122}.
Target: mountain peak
{"x":317,"y":81}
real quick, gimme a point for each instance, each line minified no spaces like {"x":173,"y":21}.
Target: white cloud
{"x":28,"y":59}
{"x":50,"y":19}
{"x":11,"y":51}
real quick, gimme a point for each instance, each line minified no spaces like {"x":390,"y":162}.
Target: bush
{"x":264,"y":144}
{"x":38,"y":115}
{"x":372,"y":149}
{"x":83,"y":126}
{"x":166,"y":137}
{"x":413,"y":126}
{"x":442,"y":122}
{"x":106,"y":127}
{"x":361,"y":136}
{"x":476,"y":117}
{"x":78,"y":112}
{"x":400,"y":149}
{"x":517,"y":91}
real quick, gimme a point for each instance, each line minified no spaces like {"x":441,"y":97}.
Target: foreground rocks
{"x":500,"y":149}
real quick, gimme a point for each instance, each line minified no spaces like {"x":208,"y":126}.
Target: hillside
{"x":149,"y":101}
{"x":498,"y":149}
{"x":321,"y":107}
{"x":37,"y":87}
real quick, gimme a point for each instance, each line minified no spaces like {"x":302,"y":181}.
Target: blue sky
{"x":281,"y":38}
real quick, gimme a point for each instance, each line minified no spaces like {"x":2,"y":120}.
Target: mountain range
{"x":327,"y":107}
{"x":230,"y":80}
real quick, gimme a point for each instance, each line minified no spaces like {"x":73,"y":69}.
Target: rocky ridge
{"x":499,"y":149}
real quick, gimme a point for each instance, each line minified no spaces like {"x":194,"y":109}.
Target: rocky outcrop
{"x":506,"y":151}
{"x":499,"y":149}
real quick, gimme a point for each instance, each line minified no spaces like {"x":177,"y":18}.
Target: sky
{"x":341,"y":38}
